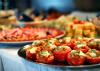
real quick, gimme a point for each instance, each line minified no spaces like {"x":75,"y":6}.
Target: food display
{"x":49,"y":35}
{"x":73,"y":26}
{"x":29,"y":34}
{"x":7,"y":16}
{"x":78,"y":46}
{"x":64,"y":51}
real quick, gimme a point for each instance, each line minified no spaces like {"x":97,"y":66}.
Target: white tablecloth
{"x":1,"y":65}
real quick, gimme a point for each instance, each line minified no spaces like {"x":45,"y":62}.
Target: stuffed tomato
{"x":94,"y":44}
{"x":51,"y":44}
{"x":75,"y":57}
{"x":81,"y":46}
{"x":93,"y":56}
{"x":31,"y":53}
{"x":44,"y":56}
{"x":60,"y":53}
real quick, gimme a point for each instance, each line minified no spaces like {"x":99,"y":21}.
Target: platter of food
{"x":64,"y":52}
{"x":28,"y":35}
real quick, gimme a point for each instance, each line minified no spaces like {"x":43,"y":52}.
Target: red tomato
{"x":93,"y":60}
{"x":57,"y":43}
{"x":75,"y":58}
{"x":82,"y":48}
{"x":94,"y":44}
{"x":76,"y":21}
{"x":91,"y":44}
{"x":31,"y":53}
{"x":72,"y":43}
{"x":85,"y":49}
{"x":45,"y":56}
{"x":81,"y":22}
{"x":31,"y":56}
{"x":93,"y":56}
{"x":52,"y":44}
{"x":60,"y":53}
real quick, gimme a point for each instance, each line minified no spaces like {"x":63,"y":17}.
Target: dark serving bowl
{"x":64,"y":66}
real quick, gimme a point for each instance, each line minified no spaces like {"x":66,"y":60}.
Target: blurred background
{"x":60,"y":5}
{"x":16,"y":11}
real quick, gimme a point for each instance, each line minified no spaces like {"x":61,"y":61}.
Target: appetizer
{"x":93,"y":56}
{"x":81,"y":46}
{"x":60,"y":53}
{"x":94,"y":44}
{"x":31,"y":53}
{"x":65,"y":50}
{"x":45,"y":56}
{"x":75,"y":57}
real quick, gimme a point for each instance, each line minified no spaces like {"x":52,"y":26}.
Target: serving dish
{"x":10,"y":37}
{"x":59,"y":65}
{"x":23,"y":54}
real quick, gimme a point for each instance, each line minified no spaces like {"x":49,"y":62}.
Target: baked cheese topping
{"x":44,"y":53}
{"x":33,"y":50}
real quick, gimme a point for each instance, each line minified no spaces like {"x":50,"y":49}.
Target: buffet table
{"x":10,"y":61}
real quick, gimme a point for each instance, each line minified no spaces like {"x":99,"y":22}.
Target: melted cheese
{"x":45,"y":53}
{"x":92,"y":54}
{"x":33,"y":50}
{"x":52,"y":41}
{"x":67,"y":39}
{"x":81,"y":45}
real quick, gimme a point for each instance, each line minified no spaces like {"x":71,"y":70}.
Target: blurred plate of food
{"x":27,"y":35}
{"x":8,"y":20}
{"x":74,"y":26}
